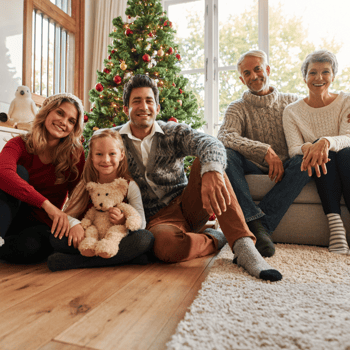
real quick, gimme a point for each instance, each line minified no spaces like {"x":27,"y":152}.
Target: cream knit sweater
{"x":303,"y":123}
{"x":254,"y":123}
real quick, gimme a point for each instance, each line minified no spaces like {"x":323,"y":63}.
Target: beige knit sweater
{"x":303,"y":123}
{"x":254,"y":123}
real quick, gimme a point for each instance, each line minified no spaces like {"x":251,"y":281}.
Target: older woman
{"x":317,"y":127}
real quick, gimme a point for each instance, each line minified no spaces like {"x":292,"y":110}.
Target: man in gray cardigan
{"x":175,"y":208}
{"x":252,"y":133}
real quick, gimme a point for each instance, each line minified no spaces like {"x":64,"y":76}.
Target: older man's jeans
{"x":277,"y":201}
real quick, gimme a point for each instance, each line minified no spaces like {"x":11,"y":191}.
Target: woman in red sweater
{"x":37,"y":172}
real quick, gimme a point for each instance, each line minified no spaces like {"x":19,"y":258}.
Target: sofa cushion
{"x":259,"y":185}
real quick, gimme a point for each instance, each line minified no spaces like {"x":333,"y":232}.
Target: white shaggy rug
{"x":308,"y":309}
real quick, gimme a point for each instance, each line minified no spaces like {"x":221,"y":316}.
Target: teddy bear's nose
{"x":101,"y":204}
{"x":22,"y":92}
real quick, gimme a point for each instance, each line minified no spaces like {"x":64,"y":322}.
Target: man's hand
{"x":76,"y":234}
{"x":215,"y":196}
{"x":316,"y":156}
{"x":60,"y":225}
{"x":276,"y":169}
{"x":116,"y":216}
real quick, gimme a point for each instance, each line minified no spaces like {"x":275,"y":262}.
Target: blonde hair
{"x":67,"y":154}
{"x":80,"y":196}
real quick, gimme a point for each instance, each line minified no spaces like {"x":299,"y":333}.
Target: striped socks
{"x":337,"y":236}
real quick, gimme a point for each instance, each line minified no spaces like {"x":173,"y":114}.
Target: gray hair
{"x":320,"y":56}
{"x":255,"y":53}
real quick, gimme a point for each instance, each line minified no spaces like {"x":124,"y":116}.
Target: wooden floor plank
{"x":133,"y":317}
{"x":21,"y":286}
{"x":170,"y":327}
{"x":37,"y":320}
{"x":55,"y":345}
{"x":7,"y":269}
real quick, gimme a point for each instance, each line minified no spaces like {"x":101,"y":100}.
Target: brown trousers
{"x":174,"y":226}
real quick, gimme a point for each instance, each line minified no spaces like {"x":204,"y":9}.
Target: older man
{"x":175,"y":208}
{"x":252,"y":133}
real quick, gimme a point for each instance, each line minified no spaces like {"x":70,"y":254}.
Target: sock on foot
{"x":218,"y":235}
{"x":337,"y":236}
{"x":250,"y":259}
{"x":264,"y":242}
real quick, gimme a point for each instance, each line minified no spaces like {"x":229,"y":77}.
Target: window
{"x":212,"y":35}
{"x":53,"y":44}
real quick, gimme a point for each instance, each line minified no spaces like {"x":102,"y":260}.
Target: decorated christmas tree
{"x":143,"y":46}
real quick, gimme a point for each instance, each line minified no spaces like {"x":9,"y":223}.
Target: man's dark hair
{"x":137,"y":81}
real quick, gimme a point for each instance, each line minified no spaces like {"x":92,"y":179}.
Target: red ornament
{"x":106,"y":70}
{"x":82,"y":139}
{"x":99,"y":87}
{"x":179,"y":101}
{"x":174,"y":85}
{"x":178,"y":57}
{"x":117,"y":79}
{"x":172,"y":119}
{"x":170,"y":51}
{"x":129,"y":32}
{"x":165,"y":23}
{"x":150,"y":35}
{"x":129,"y":17}
{"x":109,"y":57}
{"x":114,"y":125}
{"x":146,"y":57}
{"x":113,"y":51}
{"x":170,"y":24}
{"x":180,"y":91}
{"x":86,"y":118}
{"x":212,"y":218}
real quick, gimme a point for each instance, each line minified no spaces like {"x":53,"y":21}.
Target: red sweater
{"x":42,"y":179}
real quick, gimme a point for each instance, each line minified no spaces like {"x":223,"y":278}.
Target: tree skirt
{"x":308,"y":309}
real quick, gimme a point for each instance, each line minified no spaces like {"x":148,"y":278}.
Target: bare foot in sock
{"x":264,"y":243}
{"x":250,"y":259}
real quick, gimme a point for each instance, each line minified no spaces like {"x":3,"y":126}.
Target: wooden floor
{"x":125,"y":307}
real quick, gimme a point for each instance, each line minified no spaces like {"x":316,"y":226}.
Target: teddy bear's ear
{"x":90,"y":186}
{"x":119,"y":182}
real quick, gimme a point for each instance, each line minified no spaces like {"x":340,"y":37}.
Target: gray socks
{"x":250,"y":259}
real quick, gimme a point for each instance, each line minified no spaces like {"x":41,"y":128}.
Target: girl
{"x":37,"y":171}
{"x":105,"y":162}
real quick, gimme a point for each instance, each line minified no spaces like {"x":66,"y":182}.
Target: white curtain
{"x":105,"y":12}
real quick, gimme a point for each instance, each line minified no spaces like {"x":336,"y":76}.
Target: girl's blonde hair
{"x":68,"y":152}
{"x":80,"y":196}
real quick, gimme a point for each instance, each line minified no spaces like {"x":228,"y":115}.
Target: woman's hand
{"x":116,"y":216}
{"x":60,"y":225}
{"x":76,"y":234}
{"x":315,"y":156}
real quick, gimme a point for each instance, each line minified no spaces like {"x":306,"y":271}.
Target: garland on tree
{"x":143,"y":46}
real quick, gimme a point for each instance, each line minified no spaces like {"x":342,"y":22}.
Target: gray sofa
{"x":304,"y":222}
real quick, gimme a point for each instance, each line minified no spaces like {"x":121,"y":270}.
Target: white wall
{"x":11,"y":48}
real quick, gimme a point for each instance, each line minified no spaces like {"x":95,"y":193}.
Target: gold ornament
{"x":133,"y":50}
{"x":101,"y":96}
{"x":156,"y":74}
{"x":123,"y":66}
{"x":160,"y":52}
{"x":95,"y":128}
{"x":160,"y":83}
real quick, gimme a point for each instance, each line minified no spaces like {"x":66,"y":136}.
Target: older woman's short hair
{"x":320,"y":56}
{"x":255,"y":53}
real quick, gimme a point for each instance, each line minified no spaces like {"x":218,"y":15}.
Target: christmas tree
{"x":143,"y":46}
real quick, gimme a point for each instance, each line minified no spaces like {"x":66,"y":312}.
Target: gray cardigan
{"x":165,"y":167}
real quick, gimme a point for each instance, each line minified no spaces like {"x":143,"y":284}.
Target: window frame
{"x":74,"y":24}
{"x":211,"y":68}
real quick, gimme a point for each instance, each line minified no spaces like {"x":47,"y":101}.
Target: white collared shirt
{"x":143,"y":147}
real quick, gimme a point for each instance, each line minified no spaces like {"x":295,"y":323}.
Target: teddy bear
{"x":102,"y":238}
{"x":22,"y":109}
